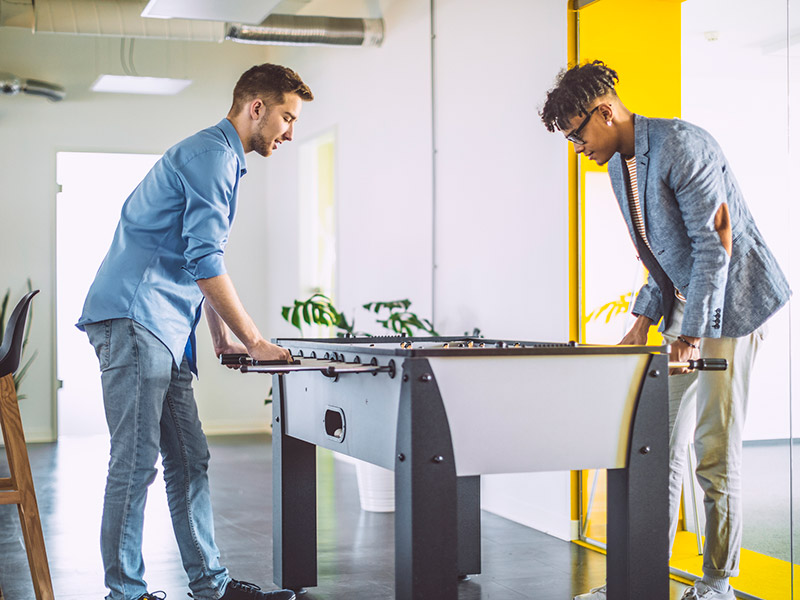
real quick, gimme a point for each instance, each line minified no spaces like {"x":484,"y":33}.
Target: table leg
{"x":294,"y":507}
{"x":469,"y":525}
{"x":638,"y":501}
{"x":426,"y":526}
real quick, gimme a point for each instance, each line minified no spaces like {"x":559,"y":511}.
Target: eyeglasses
{"x":575,"y":136}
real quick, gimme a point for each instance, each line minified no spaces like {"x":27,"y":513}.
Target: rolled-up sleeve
{"x":209,"y":183}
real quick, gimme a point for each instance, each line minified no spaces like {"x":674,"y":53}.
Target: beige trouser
{"x":713,"y":406}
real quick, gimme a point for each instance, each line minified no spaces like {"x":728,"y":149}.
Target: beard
{"x":259,"y":143}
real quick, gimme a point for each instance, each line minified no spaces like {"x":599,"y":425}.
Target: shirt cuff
{"x":211,"y":265}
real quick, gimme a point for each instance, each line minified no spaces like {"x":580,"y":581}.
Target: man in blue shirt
{"x":141,"y":313}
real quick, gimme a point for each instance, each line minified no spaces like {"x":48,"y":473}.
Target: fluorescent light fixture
{"x":251,"y":12}
{"x":126,"y":84}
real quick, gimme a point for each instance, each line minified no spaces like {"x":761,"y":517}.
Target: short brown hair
{"x":271,"y":82}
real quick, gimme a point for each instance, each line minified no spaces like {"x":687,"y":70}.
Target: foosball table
{"x":440,"y":412}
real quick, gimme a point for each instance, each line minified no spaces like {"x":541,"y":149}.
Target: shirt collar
{"x":234,"y":141}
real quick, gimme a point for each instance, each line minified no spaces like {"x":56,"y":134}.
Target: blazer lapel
{"x":642,"y":149}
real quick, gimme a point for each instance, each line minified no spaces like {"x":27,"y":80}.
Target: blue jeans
{"x":150,"y":408}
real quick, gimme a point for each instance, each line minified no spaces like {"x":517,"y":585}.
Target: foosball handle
{"x":234,"y":359}
{"x":244,"y":359}
{"x":704,"y":364}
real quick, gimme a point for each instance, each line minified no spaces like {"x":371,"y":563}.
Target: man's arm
{"x":221,"y":334}
{"x":228,"y":310}
{"x":637,"y":336}
{"x":679,"y":352}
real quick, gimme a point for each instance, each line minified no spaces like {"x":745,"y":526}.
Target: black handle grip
{"x":709,"y":364}
{"x":244,"y":359}
{"x":234,"y":359}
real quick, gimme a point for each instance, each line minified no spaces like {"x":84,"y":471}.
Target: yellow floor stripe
{"x":760,"y":575}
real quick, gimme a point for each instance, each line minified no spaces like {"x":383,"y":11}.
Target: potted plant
{"x":394,"y":315}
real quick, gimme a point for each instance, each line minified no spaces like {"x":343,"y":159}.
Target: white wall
{"x":501,"y":235}
{"x":500,"y":222}
{"x":32,"y":130}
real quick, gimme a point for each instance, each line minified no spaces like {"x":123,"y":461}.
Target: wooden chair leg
{"x":19,"y":465}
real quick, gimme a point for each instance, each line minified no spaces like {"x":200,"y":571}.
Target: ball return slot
{"x":329,"y":368}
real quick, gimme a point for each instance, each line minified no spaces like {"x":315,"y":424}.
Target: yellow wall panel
{"x":641,"y":41}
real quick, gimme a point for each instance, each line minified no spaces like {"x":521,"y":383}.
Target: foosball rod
{"x":701,"y":364}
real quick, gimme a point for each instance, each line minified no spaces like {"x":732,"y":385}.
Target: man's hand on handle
{"x":225,"y":314}
{"x":228,"y":347}
{"x":263,"y":350}
{"x":682,"y":351}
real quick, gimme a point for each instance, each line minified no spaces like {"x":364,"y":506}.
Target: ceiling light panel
{"x":125,"y":84}
{"x":230,"y":11}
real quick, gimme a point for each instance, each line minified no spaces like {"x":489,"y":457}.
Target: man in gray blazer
{"x":712,"y":282}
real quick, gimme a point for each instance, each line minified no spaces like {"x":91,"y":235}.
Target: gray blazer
{"x":683,"y":179}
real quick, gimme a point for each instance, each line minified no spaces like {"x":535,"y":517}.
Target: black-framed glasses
{"x":575,"y":136}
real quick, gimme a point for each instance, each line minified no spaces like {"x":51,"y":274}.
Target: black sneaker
{"x":159,"y":595}
{"x":241,"y":590}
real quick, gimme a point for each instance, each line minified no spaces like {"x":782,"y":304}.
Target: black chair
{"x":18,"y":489}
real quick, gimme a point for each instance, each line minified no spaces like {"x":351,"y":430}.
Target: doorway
{"x":93,"y":187}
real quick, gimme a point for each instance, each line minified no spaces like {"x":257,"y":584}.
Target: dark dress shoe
{"x":241,"y":590}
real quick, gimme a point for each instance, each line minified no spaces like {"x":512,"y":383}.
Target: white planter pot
{"x":375,"y":487}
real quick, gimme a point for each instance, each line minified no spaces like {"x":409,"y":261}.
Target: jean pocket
{"x":100,"y":337}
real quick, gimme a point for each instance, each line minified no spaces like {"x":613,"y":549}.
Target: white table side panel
{"x":539,"y":413}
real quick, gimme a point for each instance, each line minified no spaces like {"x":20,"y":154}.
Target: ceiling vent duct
{"x":11,"y":85}
{"x":122,"y":18}
{"x":303,"y":30}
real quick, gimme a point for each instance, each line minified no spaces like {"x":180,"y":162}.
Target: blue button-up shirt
{"x":172,"y":231}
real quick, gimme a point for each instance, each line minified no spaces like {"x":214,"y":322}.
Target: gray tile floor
{"x":356,"y":555}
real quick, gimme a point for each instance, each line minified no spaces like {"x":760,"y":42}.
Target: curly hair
{"x":271,"y":81}
{"x":574,"y":90}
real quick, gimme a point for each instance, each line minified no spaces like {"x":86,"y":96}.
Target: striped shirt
{"x":636,"y":208}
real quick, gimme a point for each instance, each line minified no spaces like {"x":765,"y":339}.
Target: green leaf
{"x":342,"y":323}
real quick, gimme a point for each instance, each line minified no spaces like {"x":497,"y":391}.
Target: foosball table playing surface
{"x":440,"y":412}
